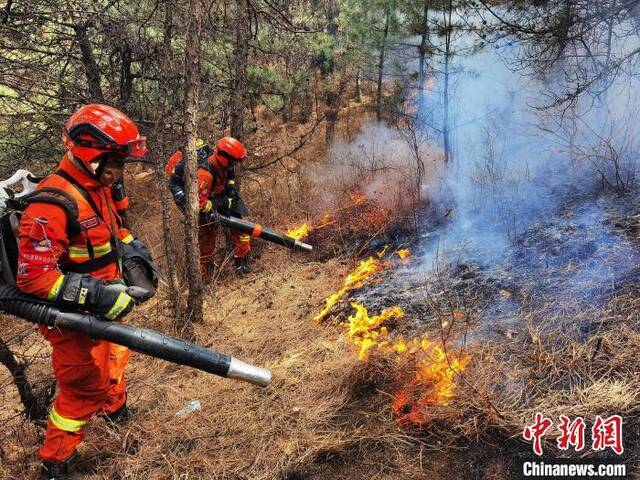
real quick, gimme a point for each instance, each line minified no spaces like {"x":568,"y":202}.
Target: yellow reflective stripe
{"x":66,"y":424}
{"x":82,"y":252}
{"x":53,"y":293}
{"x":232,"y":182}
{"x":127,"y":239}
{"x":245,"y":238}
{"x":207,"y":207}
{"x":121,"y":303}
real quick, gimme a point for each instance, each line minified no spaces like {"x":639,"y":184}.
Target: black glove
{"x":223,"y":203}
{"x":109,"y":301}
{"x":231,"y":191}
{"x":176,"y":186}
{"x":230,"y":204}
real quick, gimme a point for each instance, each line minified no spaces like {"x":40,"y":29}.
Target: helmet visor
{"x":230,"y":159}
{"x":88,"y":136}
{"x":137,"y":148}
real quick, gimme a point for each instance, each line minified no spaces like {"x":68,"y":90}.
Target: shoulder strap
{"x":83,"y":192}
{"x":60,"y":198}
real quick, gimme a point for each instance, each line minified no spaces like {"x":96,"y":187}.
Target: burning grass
{"x":432,"y":368}
{"x":353,"y":225}
{"x":355,"y":279}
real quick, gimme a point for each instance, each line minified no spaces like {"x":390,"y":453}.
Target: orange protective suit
{"x":89,"y":373}
{"x":213,"y":181}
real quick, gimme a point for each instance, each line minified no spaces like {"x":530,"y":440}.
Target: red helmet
{"x":95,"y":129}
{"x":230,"y":150}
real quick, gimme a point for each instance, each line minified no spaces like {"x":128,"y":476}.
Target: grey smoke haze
{"x":518,"y":172}
{"x":379,"y":162}
{"x":514,"y":164}
{"x":523,"y":200}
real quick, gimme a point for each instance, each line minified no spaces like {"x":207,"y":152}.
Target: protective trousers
{"x":90,"y":379}
{"x":207,"y":233}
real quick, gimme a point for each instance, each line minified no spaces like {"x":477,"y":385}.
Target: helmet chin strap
{"x":100,"y":168}
{"x":94,"y":169}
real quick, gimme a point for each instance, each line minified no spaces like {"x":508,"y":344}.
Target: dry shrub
{"x":379,"y":164}
{"x":370,"y":190}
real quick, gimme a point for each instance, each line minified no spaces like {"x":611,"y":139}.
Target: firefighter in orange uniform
{"x":75,"y":263}
{"x":217,"y":191}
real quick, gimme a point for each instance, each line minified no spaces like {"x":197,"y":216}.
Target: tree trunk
{"x":381,"y":64}
{"x":447,"y":12}
{"x":332,"y":100}
{"x":34,"y":409}
{"x":241,"y":59}
{"x":422,"y":49}
{"x":358,"y":86}
{"x":126,"y":76}
{"x":191,"y":93}
{"x":306,"y":104}
{"x":91,"y":69}
{"x":7,"y":11}
{"x":165,"y":73}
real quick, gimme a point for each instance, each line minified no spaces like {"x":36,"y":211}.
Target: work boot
{"x":242,"y":265}
{"x":60,"y":471}
{"x":120,"y":417}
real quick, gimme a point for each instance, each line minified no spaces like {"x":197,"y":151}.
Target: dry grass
{"x":557,"y":371}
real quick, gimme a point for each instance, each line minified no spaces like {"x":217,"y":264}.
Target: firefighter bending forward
{"x":80,"y":269}
{"x":217,"y":191}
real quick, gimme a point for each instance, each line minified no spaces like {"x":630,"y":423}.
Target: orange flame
{"x":434,"y":369}
{"x":355,"y":279}
{"x":301,"y":232}
{"x":357,"y":198}
{"x":326,"y":220}
{"x":432,"y":383}
{"x":404,"y":253}
{"x":368,"y":332}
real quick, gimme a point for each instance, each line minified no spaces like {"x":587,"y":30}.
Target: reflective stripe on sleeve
{"x":121,"y":303}
{"x":244,"y":238}
{"x":53,"y":293}
{"x":127,"y":239}
{"x":66,"y":424}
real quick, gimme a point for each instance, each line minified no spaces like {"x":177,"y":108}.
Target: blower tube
{"x":142,"y":340}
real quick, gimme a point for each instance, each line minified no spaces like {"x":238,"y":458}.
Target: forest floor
{"x":326,"y":414}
